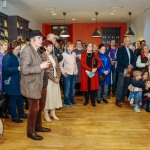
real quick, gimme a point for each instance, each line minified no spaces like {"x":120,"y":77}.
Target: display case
{"x":109,"y":33}
{"x":18,"y":28}
{"x":3,"y":26}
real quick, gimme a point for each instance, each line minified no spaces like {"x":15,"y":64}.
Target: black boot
{"x":86,"y":95}
{"x":92,"y":97}
{"x":3,"y":113}
{"x":105,"y":100}
{"x":86,"y":102}
{"x":98,"y":101}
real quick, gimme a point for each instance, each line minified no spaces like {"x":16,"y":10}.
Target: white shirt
{"x":128,"y":52}
{"x":142,"y":65}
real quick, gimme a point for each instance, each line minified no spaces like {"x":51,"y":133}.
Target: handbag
{"x":102,"y":78}
{"x":2,"y":99}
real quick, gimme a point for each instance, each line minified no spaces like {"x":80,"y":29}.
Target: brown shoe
{"x":34,"y":136}
{"x":42,"y":129}
{"x":119,"y":105}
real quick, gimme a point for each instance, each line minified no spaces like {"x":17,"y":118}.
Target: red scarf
{"x":143,"y":54}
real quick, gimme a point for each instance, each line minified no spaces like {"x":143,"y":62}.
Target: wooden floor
{"x":105,"y":127}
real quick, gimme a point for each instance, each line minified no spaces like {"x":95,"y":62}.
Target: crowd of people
{"x":37,"y":73}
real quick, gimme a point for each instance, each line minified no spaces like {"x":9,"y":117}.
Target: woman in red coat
{"x":89,"y":85}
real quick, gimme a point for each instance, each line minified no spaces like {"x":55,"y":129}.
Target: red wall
{"x":46,"y":29}
{"x":84,"y":31}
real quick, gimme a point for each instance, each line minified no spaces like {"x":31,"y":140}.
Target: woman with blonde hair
{"x":90,"y":62}
{"x":3,"y":49}
{"x":69,"y":70}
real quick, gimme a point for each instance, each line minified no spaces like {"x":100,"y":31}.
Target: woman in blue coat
{"x":11,"y":82}
{"x":104,"y":70}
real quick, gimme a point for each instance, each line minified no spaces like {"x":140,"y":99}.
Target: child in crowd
{"x":146,"y":95}
{"x":135,"y":87}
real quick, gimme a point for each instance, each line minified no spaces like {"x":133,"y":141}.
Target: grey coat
{"x":31,"y":73}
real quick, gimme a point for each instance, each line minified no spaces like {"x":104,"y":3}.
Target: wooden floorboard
{"x":105,"y":127}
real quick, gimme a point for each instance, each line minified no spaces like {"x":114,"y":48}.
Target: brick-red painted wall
{"x":46,"y":29}
{"x":83,"y":31}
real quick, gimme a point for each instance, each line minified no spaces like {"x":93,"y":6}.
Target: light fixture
{"x":129,"y":31}
{"x":4,"y":4}
{"x":96,"y":33}
{"x":112,"y":13}
{"x":64,"y":32}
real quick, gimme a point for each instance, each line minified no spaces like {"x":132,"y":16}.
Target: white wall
{"x":147,"y":30}
{"x":142,"y":24}
{"x":12,"y":10}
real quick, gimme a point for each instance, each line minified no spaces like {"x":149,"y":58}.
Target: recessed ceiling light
{"x":93,"y":19}
{"x":112,"y":13}
{"x":73,"y":19}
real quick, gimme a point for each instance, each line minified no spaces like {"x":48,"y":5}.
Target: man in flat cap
{"x":32,"y":71}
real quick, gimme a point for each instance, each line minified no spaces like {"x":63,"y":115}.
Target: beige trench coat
{"x":31,"y":73}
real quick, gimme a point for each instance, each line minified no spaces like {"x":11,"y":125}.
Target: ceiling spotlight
{"x":112,"y":13}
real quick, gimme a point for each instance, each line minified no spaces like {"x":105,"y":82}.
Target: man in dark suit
{"x":125,"y":58}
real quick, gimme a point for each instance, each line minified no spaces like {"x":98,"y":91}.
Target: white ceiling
{"x":81,"y":10}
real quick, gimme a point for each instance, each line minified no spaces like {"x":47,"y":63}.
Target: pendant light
{"x":64,"y":32}
{"x":96,"y":33}
{"x":129,"y":31}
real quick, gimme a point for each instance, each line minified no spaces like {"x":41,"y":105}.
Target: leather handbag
{"x":102,"y":78}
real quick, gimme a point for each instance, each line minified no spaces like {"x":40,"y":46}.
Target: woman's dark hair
{"x":100,"y":45}
{"x":13,"y":45}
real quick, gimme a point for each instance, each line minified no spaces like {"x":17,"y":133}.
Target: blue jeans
{"x":15,"y":101}
{"x":113,"y":73}
{"x":132,"y":94}
{"x":105,"y":93}
{"x":138,"y":98}
{"x":122,"y":87}
{"x":69,"y":86}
